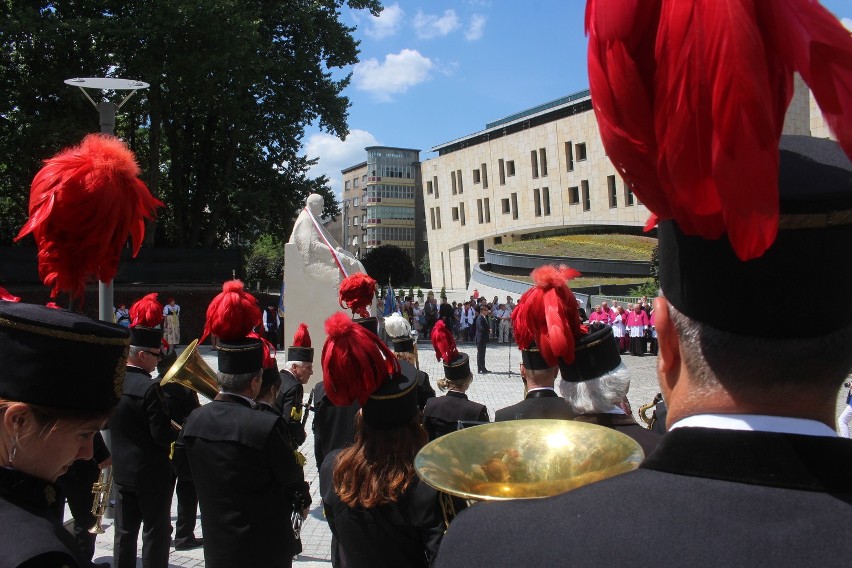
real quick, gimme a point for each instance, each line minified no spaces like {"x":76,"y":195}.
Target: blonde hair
{"x":460,"y":385}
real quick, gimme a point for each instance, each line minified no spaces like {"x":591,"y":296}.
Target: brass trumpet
{"x":101,"y":490}
{"x":522,"y":459}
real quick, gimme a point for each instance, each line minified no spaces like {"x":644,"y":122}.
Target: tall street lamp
{"x":106,"y":110}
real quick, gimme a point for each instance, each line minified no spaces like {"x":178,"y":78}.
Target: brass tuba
{"x":522,"y":459}
{"x":192,"y":371}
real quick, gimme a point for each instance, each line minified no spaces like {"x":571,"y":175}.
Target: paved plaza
{"x":500,"y":388}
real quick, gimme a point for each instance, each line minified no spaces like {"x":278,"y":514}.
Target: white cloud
{"x":399,"y":72}
{"x":476,"y":29}
{"x":335,"y":154}
{"x":430,"y":26}
{"x":386,"y":24}
{"x":847,"y":22}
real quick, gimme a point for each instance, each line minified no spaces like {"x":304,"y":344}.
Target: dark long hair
{"x":379,"y":466}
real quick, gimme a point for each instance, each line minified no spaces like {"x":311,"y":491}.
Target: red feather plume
{"x":302,"y":338}
{"x":7,"y":296}
{"x":355,"y":362}
{"x":444,"y":343}
{"x":547,"y":314}
{"x":84,"y":203}
{"x":691,"y":97}
{"x":356,"y":293}
{"x":147,"y":312}
{"x":233,"y":314}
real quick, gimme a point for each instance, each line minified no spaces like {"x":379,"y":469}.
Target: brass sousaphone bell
{"x":192,"y":371}
{"x":522,"y":459}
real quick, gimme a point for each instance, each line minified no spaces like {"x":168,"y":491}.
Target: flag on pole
{"x":390,"y":301}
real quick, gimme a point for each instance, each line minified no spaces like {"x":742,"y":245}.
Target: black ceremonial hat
{"x":93,"y":355}
{"x":240,"y":356}
{"x":595,"y":354}
{"x":141,"y":336}
{"x":809,"y":257}
{"x":394,"y":403}
{"x":532,"y":359}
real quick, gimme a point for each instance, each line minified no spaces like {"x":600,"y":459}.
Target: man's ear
{"x":668,"y":358}
{"x":523,"y":373}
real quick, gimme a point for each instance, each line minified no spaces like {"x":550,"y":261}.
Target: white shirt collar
{"x":757,"y":423}
{"x":250,"y":401}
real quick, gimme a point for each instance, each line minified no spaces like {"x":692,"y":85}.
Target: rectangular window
{"x":347,"y":184}
{"x":438,"y":216}
{"x":432,"y":216}
{"x":453,"y":182}
{"x":613,"y":192}
{"x":504,"y":203}
{"x":510,"y":168}
{"x":581,"y":152}
{"x":461,"y":211}
{"x":501,"y":167}
{"x":355,"y":202}
{"x":429,"y":187}
{"x":484,"y":169}
{"x":514,"y":206}
{"x":573,"y":195}
{"x":479,"y":210}
{"x":537,"y":201}
{"x":355,"y":221}
{"x":459,"y":179}
{"x":364,"y":179}
{"x":545,"y":198}
{"x":455,"y":212}
{"x":628,"y":195}
{"x":355,"y":182}
{"x":487,"y":210}
{"x":569,"y":156}
{"x":435,"y":185}
{"x":587,"y":200}
{"x":534,"y":163}
{"x":476,"y":176}
{"x":542,"y":161}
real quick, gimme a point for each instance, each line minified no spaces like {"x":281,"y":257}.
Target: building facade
{"x":538,"y":171}
{"x":383,"y":203}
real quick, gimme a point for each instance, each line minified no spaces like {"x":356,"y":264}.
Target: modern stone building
{"x":539,"y":171}
{"x":383,"y":203}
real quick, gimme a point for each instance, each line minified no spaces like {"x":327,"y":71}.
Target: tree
{"x":233,"y":83}
{"x":388,"y":262}
{"x":425,"y":269}
{"x":265,"y":261}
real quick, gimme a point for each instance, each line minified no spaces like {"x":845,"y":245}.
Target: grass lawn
{"x":616,"y":247}
{"x":584,"y":282}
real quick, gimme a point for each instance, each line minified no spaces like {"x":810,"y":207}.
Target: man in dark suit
{"x":541,"y":400}
{"x":482,"y":331}
{"x":751,"y":472}
{"x":141,"y":435}
{"x":244,"y":469}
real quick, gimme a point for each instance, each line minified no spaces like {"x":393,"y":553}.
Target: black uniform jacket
{"x":405,"y":534}
{"x":29,"y":528}
{"x":442,"y":414}
{"x":482,"y":328}
{"x":541,"y":403}
{"x":289,"y":404}
{"x":180,"y":401}
{"x":424,"y":388}
{"x":141,"y":434}
{"x":333,"y":426}
{"x":626,"y":425}
{"x":245,"y":473}
{"x":704,"y":497}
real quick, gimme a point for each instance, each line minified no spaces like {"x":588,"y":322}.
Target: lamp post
{"x":106,"y":110}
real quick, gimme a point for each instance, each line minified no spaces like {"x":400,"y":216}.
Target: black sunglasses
{"x":159,"y":354}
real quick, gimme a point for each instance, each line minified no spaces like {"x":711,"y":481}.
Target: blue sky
{"x":434,"y":71}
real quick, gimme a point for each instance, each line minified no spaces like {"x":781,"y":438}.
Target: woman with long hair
{"x":49,"y":417}
{"x":376,"y":506}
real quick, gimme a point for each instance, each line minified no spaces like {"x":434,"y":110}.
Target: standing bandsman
{"x":141,"y":435}
{"x":295,"y":375}
{"x":244,"y":468}
{"x":405,"y":349}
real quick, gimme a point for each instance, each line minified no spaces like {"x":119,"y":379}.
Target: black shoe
{"x":484,"y":372}
{"x":190,"y":544}
{"x":100,"y":565}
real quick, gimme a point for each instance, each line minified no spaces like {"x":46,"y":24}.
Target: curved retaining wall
{"x":523,"y":263}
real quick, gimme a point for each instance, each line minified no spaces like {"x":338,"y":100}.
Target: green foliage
{"x":425,"y":269}
{"x":388,"y":262}
{"x":655,"y":266}
{"x":411,"y":292}
{"x":218,"y":133}
{"x":616,"y":247}
{"x":265,"y":261}
{"x":649,"y":288}
{"x":443,"y":293}
{"x":419,"y":293}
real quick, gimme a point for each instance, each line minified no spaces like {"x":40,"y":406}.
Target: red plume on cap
{"x":356,"y":293}
{"x":547,"y":314}
{"x":354,"y":361}
{"x":444,"y":343}
{"x":83,"y":204}
{"x":7,"y":296}
{"x":691,"y":97}
{"x":147,"y":312}
{"x":302,"y":338}
{"x":233,"y":314}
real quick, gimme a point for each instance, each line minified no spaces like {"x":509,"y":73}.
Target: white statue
{"x":314,"y":265}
